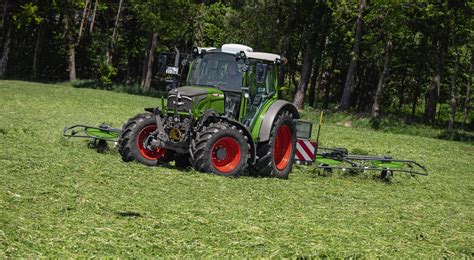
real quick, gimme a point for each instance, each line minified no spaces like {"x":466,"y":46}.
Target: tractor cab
{"x":247,"y":79}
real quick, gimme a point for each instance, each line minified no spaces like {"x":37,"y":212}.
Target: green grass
{"x":60,"y":198}
{"x":391,"y":123}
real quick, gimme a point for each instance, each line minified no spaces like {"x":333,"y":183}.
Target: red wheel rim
{"x":152,"y":155}
{"x":225,"y":154}
{"x":283,"y":147}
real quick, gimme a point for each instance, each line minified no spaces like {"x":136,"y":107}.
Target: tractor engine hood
{"x":195,"y":99}
{"x":189,"y":91}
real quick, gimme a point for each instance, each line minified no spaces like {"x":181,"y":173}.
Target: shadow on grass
{"x":459,"y":136}
{"x":128,"y":214}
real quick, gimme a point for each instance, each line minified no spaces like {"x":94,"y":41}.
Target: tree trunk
{"x":416,"y":95}
{"x":198,"y":26}
{"x":114,"y":34}
{"x":331,"y":78}
{"x":81,"y":26}
{"x":413,"y":104}
{"x":380,"y":85}
{"x":34,"y":70}
{"x":401,"y":92}
{"x":305,"y":74}
{"x":312,"y":85}
{"x":318,"y":68}
{"x":4,"y":14}
{"x":432,"y":98}
{"x":349,"y":84}
{"x":72,"y":62}
{"x":5,"y":53}
{"x":68,"y":25}
{"x":148,"y":62}
{"x":91,"y":28}
{"x":468,"y":92}
{"x":452,"y":102}
{"x":283,"y":69}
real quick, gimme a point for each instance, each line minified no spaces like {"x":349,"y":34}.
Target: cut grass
{"x":60,"y":198}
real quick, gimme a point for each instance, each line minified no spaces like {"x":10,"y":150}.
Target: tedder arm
{"x":100,"y":135}
{"x":339,"y":158}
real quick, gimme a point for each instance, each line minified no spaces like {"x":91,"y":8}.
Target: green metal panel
{"x":388,"y":165}
{"x":258,"y":119}
{"x":328,"y":161}
{"x":210,"y":102}
{"x":213,"y":100}
{"x":101,"y":134}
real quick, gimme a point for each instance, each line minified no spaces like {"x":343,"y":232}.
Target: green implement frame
{"x":339,"y":158}
{"x":100,"y":135}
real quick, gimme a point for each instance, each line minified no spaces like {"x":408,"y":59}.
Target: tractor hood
{"x":195,"y":99}
{"x":194,"y":91}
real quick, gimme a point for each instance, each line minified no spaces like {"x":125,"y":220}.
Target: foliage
{"x":427,"y":38}
{"x":107,"y":72}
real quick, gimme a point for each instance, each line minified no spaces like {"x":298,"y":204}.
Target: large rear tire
{"x":134,"y":141}
{"x":275,"y":157}
{"x":221,"y":149}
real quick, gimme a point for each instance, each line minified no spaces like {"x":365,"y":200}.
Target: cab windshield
{"x":218,"y":70}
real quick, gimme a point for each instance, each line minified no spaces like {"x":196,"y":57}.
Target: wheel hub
{"x":221,"y":153}
{"x":144,"y":142}
{"x":225,"y":154}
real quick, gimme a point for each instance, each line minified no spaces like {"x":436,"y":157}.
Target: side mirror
{"x":260,"y":72}
{"x":282,"y":61}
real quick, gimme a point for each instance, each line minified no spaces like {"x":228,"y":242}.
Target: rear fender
{"x":270,"y":116}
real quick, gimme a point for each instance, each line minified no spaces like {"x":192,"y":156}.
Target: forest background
{"x":410,"y":59}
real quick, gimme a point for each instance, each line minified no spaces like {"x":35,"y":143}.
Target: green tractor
{"x":226,"y":119}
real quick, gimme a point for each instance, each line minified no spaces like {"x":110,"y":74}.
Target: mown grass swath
{"x":60,"y":198}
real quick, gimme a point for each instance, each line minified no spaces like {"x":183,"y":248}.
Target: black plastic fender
{"x":272,"y":112}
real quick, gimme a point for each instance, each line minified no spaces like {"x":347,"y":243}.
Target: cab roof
{"x":237,"y":48}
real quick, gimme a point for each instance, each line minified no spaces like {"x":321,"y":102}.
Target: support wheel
{"x":386,"y":175}
{"x":221,"y":149}
{"x":275,"y":157}
{"x":134,"y":141}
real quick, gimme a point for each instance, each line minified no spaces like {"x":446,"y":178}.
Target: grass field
{"x":60,"y":198}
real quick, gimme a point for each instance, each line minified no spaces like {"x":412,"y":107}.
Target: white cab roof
{"x":236,"y":48}
{"x":262,"y":56}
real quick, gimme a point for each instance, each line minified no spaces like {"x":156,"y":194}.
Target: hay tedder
{"x":227,"y":119}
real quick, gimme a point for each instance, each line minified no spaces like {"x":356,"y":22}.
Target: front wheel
{"x":221,"y":149}
{"x":134,"y":141}
{"x":275,"y":157}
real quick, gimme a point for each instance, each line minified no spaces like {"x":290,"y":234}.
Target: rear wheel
{"x":275,"y":157}
{"x":221,"y":149}
{"x":135,"y":138}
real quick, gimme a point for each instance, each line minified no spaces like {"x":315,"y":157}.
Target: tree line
{"x":414,"y":58}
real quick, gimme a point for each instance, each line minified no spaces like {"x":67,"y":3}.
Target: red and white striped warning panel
{"x":305,"y":150}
